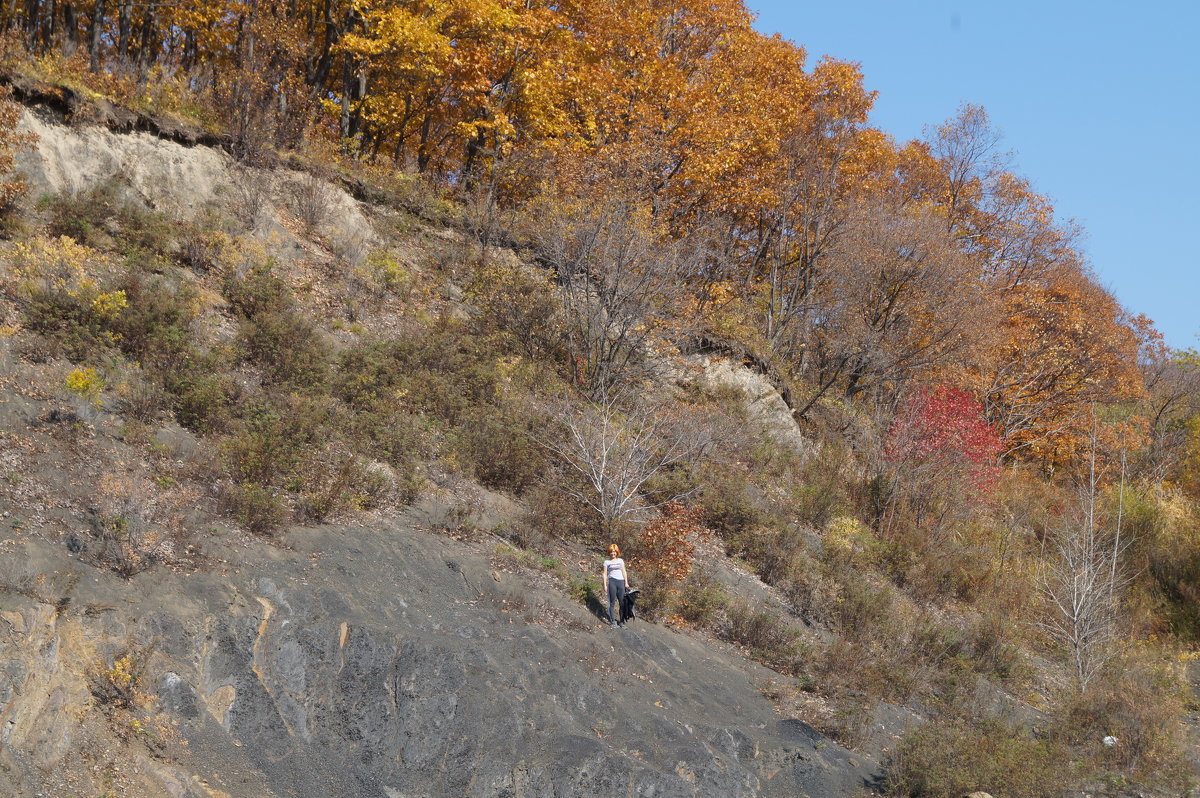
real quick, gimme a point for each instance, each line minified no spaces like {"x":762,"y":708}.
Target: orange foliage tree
{"x":664,"y":551}
{"x":852,"y":264}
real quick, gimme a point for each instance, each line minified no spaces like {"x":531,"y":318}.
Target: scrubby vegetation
{"x":984,"y":501}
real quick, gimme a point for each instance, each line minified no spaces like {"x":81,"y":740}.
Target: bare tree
{"x":617,"y":451}
{"x":251,"y":193}
{"x":968,"y":146}
{"x":1172,"y":379}
{"x":897,"y":298}
{"x":1083,"y":582}
{"x":619,"y":278}
{"x":312,"y":201}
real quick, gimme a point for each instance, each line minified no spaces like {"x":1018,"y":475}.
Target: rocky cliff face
{"x":371,"y":661}
{"x":169,"y":176}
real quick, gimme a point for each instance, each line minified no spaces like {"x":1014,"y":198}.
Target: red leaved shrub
{"x":940,"y":457}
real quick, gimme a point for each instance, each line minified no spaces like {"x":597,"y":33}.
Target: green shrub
{"x":498,"y":446}
{"x":367,"y":375}
{"x":146,"y":237}
{"x":952,"y":759}
{"x":256,"y":507}
{"x":774,"y":551}
{"x":1169,"y":546}
{"x":861,"y":607}
{"x":555,"y":514}
{"x":730,"y":507}
{"x":276,"y":435}
{"x":1141,"y":704}
{"x":992,"y":651}
{"x":440,"y":370}
{"x":769,"y":637}
{"x":100,"y":218}
{"x":334,"y":481}
{"x":701,"y":600}
{"x":518,"y":307}
{"x":259,"y":291}
{"x":390,"y":434}
{"x":157,"y":329}
{"x":203,"y":395}
{"x":206,"y":244}
{"x":448,"y":389}
{"x":83,"y":216}
{"x":275,"y":335}
{"x":586,"y":590}
{"x":69,"y":326}
{"x":437,"y":390}
{"x":389,"y":274}
{"x":531,"y":559}
{"x":819,"y":487}
{"x":287,"y":347}
{"x":157,"y":326}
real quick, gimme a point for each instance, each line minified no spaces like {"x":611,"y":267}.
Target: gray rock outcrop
{"x":381,"y":662}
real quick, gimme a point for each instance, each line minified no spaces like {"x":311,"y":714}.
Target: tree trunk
{"x":189,"y":50}
{"x":423,"y":148}
{"x":319,"y":76}
{"x":32,"y":18}
{"x":147,"y":52}
{"x":347,"y":87}
{"x":124,"y":22}
{"x":354,"y":85}
{"x":49,"y":26}
{"x":97,"y":28}
{"x":70,"y":29}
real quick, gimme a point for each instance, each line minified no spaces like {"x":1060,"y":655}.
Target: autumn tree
{"x":1170,"y":407}
{"x":1067,"y":347}
{"x":664,"y":551}
{"x":897,"y":302}
{"x":1061,"y":342}
{"x":695,"y":168}
{"x":940,"y":457}
{"x":784,"y":239}
{"x":451,"y":82}
{"x":968,"y":157}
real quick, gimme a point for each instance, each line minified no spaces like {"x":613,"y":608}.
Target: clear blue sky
{"x":1100,"y":102}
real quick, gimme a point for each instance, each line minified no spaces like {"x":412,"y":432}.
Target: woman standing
{"x":616,"y":578}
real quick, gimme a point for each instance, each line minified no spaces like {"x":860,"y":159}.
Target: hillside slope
{"x":306,"y":462}
{"x":370,"y":658}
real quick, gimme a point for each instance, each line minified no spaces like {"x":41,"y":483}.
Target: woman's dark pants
{"x":616,"y":595}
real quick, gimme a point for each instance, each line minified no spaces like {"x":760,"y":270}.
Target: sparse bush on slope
{"x":954,"y":758}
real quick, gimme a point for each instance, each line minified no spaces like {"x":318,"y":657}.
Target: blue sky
{"x":1099,"y":101}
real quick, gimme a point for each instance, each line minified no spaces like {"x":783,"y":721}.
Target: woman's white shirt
{"x":615,"y":568}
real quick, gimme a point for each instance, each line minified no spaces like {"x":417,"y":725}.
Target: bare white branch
{"x":617,"y":451}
